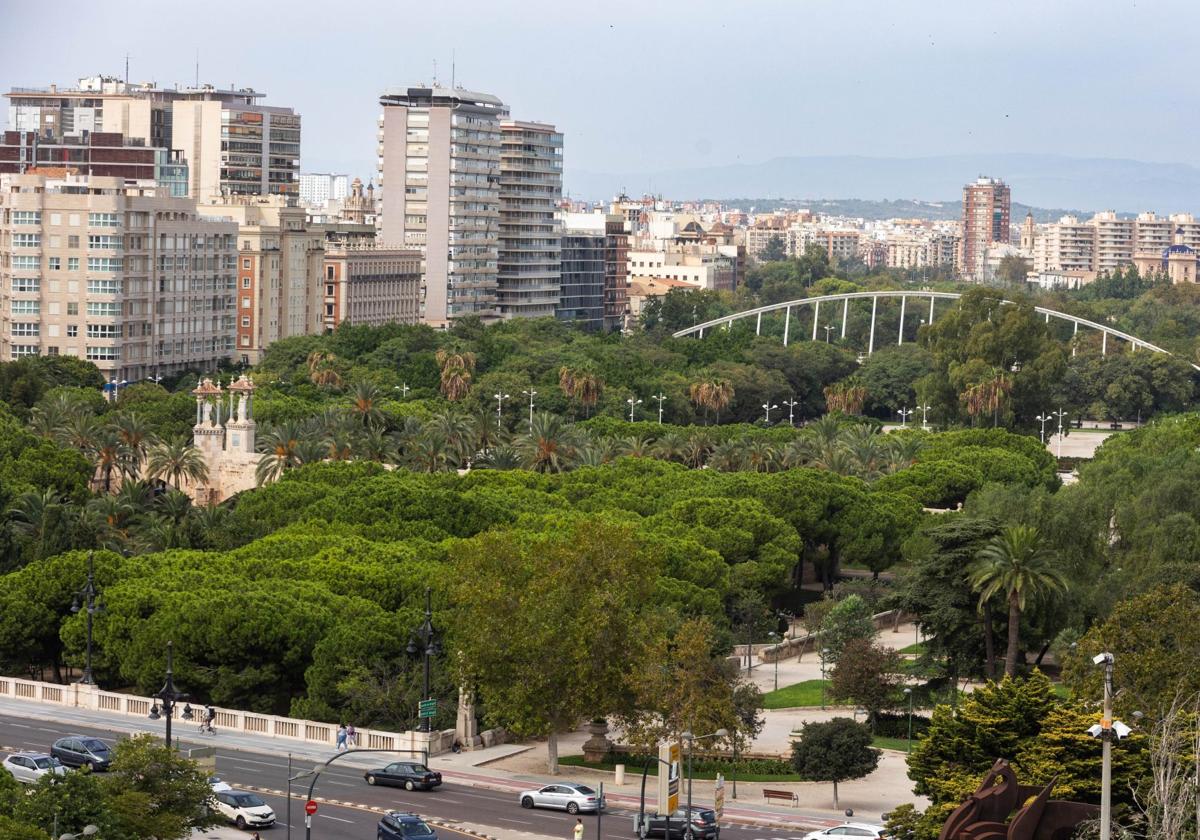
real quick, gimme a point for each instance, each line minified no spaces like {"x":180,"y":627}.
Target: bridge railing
{"x":291,"y":730}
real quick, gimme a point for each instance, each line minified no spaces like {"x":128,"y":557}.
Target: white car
{"x":875,"y":832}
{"x":217,"y":785}
{"x":243,"y":809}
{"x":29,"y":767}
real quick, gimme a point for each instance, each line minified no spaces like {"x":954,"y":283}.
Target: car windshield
{"x":415,"y":829}
{"x":45,"y":763}
{"x":584,"y":789}
{"x":95,"y":746}
{"x":247,"y":800}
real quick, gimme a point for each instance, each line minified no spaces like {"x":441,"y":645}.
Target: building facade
{"x":113,"y":272}
{"x":581,"y":284}
{"x":439,"y":168}
{"x":530,"y":238}
{"x":987,"y":215}
{"x":316,"y":189}
{"x":95,"y":153}
{"x":616,"y":271}
{"x":371,"y":286}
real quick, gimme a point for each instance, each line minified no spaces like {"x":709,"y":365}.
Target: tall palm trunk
{"x":989,"y":643}
{"x":1014,"y":634}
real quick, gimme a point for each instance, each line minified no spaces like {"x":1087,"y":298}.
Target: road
{"x":498,"y":810}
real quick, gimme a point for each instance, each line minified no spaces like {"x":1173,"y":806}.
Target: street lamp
{"x":168,"y":697}
{"x":775,"y":636}
{"x":1043,"y":419}
{"x":531,"y":394}
{"x":423,"y":640}
{"x":768,"y":408}
{"x":824,"y":657}
{"x":908,"y":745}
{"x":88,"y":831}
{"x":318,"y":769}
{"x":692,"y":739}
{"x":904,"y":413}
{"x":791,"y":404}
{"x":86,"y":599}
{"x":632,"y":402}
{"x":660,"y":396}
{"x":500,"y":398}
{"x":828,"y":329}
{"x":1060,"y":414}
{"x":403,"y":389}
{"x":1105,"y":729}
{"x":925,"y":416}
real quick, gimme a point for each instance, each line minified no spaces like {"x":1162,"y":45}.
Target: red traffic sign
{"x":310,"y":807}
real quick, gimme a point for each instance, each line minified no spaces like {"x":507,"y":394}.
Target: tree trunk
{"x":1014,"y":635}
{"x":552,"y":753}
{"x":989,"y":644}
{"x":835,"y":801}
{"x":1041,"y":654}
{"x":58,"y":674}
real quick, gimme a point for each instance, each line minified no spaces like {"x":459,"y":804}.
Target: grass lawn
{"x":807,"y":693}
{"x":892,"y":743}
{"x":636,"y":770}
{"x":1062,"y":692}
{"x":914,"y":649}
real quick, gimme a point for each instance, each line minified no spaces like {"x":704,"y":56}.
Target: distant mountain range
{"x":1044,"y":181}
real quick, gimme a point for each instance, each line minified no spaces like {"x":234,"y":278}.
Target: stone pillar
{"x":597,"y":747}
{"x":466,"y":728}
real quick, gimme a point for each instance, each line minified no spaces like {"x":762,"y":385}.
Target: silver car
{"x":565,"y":796}
{"x":29,"y":767}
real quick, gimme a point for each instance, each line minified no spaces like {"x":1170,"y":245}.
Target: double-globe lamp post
{"x":632,"y":402}
{"x":1060,"y":414}
{"x":531,"y":394}
{"x":168,"y":697}
{"x":86,"y":599}
{"x":791,"y":404}
{"x":691,"y":739}
{"x":1043,"y":419}
{"x":423,"y":640}
{"x":661,"y":397}
{"x":904,"y":413}
{"x":500,"y":397}
{"x":767,"y":409}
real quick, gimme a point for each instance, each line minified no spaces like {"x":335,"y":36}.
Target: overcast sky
{"x":665,"y":84}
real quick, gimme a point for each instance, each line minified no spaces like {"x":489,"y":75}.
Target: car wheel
{"x":409,"y":785}
{"x":91,"y":768}
{"x":526,"y":801}
{"x":572,"y":808}
{"x":370,"y":778}
{"x":240,"y":823}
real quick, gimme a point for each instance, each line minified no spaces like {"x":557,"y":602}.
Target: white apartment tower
{"x":530,"y":238}
{"x":439,"y":168}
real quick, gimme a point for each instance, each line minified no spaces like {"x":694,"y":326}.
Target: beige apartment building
{"x":279,"y":270}
{"x":530,"y":238}
{"x":439,"y":168}
{"x":113,"y":272}
{"x":1106,"y":242}
{"x":369,"y":285}
{"x":700,"y":266}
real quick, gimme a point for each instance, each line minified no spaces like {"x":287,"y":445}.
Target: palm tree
{"x":728,"y":456}
{"x":550,"y":447}
{"x":176,"y":461}
{"x":591,"y":455}
{"x":37,"y":516}
{"x":846,"y":397}
{"x":322,"y":369}
{"x":456,"y":366}
{"x":108,"y":517}
{"x":110,"y":454}
{"x":588,"y":389}
{"x":457,"y":433}
{"x":364,"y":404}
{"x":566,"y":381}
{"x":137,"y":495}
{"x":52,"y":414}
{"x":697,"y":449}
{"x":862,"y":445}
{"x":712,"y":393}
{"x":427,"y":454}
{"x":797,"y":453}
{"x":670,"y":447}
{"x":377,"y":445}
{"x":504,"y":457}
{"x":761,"y":456}
{"x":311,"y":450}
{"x":78,"y":432}
{"x":279,"y":446}
{"x":634,"y":447}
{"x":135,"y":436}
{"x":1017,"y":564}
{"x":175,"y":505}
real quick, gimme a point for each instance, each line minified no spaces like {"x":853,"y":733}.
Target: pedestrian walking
{"x":341,"y":736}
{"x":578,"y":829}
{"x":351,"y":736}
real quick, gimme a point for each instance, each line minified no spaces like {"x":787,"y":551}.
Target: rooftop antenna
{"x":452,"y":69}
{"x":126,"y":68}
{"x":435,"y":72}
{"x":197,"y":67}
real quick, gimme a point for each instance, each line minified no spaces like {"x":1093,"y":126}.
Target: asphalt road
{"x":498,"y":810}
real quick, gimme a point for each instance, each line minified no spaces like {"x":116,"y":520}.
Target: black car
{"x":410,"y":775}
{"x":82,"y":751}
{"x":704,"y":824}
{"x":398,"y":825}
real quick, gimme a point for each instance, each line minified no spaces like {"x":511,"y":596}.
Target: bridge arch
{"x":904,"y":295}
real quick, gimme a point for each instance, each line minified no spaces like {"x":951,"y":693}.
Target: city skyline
{"x":637,"y":89}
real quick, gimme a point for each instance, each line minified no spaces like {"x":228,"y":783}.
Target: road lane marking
{"x":250,"y":761}
{"x":339,"y":819}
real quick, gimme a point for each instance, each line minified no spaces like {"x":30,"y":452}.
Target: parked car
{"x":704,"y":824}
{"x":400,"y":825}
{"x":29,"y":767}
{"x":565,"y":796}
{"x":82,"y":751}
{"x":876,"y":832}
{"x":243,"y":809}
{"x":410,"y":775}
{"x":217,"y":785}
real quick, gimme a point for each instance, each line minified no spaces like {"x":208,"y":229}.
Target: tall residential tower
{"x":530,"y":238}
{"x":987,"y":212}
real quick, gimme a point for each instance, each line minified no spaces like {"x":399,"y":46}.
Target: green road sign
{"x":427,"y":709}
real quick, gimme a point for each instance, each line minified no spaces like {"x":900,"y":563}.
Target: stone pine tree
{"x":834,"y":751}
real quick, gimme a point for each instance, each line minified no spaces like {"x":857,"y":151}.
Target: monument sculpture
{"x":985,"y":814}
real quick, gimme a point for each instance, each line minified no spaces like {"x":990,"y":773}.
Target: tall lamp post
{"x":1105,"y":730}
{"x":692,"y":739}
{"x":531,"y":394}
{"x":661,"y":397}
{"x":423,"y":640}
{"x":904,"y":413}
{"x":775,"y":636}
{"x":1043,"y":419}
{"x":1060,"y":414}
{"x":86,"y":599}
{"x":500,"y":397}
{"x":791,"y":404}
{"x":924,"y":409}
{"x":168,"y":697}
{"x":828,"y":329}
{"x":908,"y":744}
{"x":632,"y":402}
{"x":767,"y":409}
{"x":824,"y":657}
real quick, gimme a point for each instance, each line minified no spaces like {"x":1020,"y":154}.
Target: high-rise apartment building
{"x":95,"y":153}
{"x":530,"y":240}
{"x":114,"y":272}
{"x":582,"y":272}
{"x":318,"y":188}
{"x":233,"y":144}
{"x":616,"y":271}
{"x":439,"y":168}
{"x":987,"y":211}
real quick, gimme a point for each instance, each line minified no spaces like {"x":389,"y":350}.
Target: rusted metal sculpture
{"x":985,"y":815}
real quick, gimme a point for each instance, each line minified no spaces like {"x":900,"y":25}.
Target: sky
{"x":664,"y":84}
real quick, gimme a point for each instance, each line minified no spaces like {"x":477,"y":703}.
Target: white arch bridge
{"x":918,"y":295}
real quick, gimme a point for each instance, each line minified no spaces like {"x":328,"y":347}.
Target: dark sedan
{"x":409,"y":775}
{"x":82,"y":751}
{"x":704,"y":824}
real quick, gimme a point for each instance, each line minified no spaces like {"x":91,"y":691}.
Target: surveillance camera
{"x":1121,"y":729}
{"x":1095,"y":730}
{"x":1102,"y":658}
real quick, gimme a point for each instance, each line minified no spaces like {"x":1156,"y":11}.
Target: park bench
{"x":791,"y":797}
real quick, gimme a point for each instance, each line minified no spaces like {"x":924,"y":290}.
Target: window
{"x":72,"y":263}
{"x":52,"y":351}
{"x":26,"y":284}
{"x":104,"y":241}
{"x":328,"y":272}
{"x":54,"y":263}
{"x":329,"y":309}
{"x":72,"y":331}
{"x":103,"y":220}
{"x":103,"y":287}
{"x":26,"y":307}
{"x":19,"y":350}
{"x":329,"y":289}
{"x":26,"y":329}
{"x":27,"y":240}
{"x":104,"y":263}
{"x":245,"y":282}
{"x":25,"y":263}
{"x":72,"y":308}
{"x":245,"y":261}
{"x":245,"y":303}
{"x":102,"y":309}
{"x":72,"y":241}
{"x":102,"y":354}
{"x":26,"y":217}
{"x":103,"y":331}
{"x":245,"y":320}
